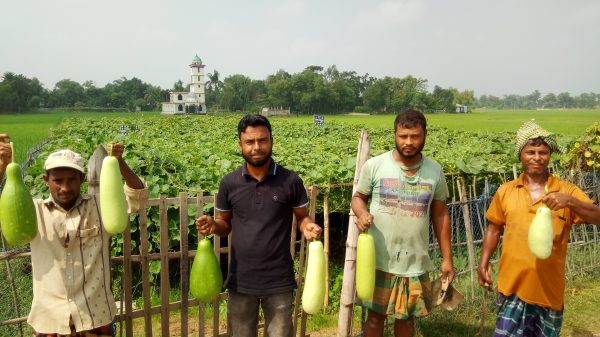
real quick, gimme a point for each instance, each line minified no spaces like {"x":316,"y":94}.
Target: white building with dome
{"x":192,"y":102}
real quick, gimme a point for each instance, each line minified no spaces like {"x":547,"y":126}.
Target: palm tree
{"x":213,"y":82}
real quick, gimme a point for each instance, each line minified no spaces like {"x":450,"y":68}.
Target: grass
{"x":581,"y":319}
{"x":564,"y":122}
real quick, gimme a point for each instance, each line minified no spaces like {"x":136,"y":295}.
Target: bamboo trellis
{"x":144,"y":257}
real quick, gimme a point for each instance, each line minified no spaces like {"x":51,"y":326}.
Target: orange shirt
{"x":535,"y":281}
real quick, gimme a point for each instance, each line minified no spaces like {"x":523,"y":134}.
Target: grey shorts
{"x":242,"y":314}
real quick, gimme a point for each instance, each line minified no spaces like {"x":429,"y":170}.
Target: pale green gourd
{"x":113,"y":204}
{"x":541,"y":233}
{"x":365,"y":267}
{"x":17,"y":211}
{"x":313,"y":295}
{"x":206,"y":279}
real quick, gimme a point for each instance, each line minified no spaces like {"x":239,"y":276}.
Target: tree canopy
{"x":314,"y":90}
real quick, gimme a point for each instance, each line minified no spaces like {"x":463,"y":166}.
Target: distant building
{"x":275,"y":111}
{"x":192,"y":102}
{"x":462,"y":108}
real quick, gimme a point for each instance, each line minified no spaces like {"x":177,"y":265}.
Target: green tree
{"x":214,"y":85}
{"x":66,"y":93}
{"x":376,"y":96}
{"x":279,"y":89}
{"x":236,"y":94}
{"x":443,"y":99}
{"x":564,"y":100}
{"x":549,"y":101}
{"x":19,"y":93}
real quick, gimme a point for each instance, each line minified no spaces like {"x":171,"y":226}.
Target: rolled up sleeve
{"x":135,"y":197}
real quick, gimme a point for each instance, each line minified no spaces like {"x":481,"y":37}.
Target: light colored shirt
{"x":71,"y":265}
{"x":401,"y":212}
{"x":535,"y":281}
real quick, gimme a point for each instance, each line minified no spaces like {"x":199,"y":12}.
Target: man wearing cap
{"x":70,"y":254}
{"x":530,"y":290}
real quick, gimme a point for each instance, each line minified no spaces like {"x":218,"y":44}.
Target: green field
{"x":564,"y":122}
{"x":28,"y":130}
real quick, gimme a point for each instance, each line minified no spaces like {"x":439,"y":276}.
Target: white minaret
{"x":192,"y":102}
{"x":197,"y":85}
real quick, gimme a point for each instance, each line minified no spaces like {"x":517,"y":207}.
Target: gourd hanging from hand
{"x":365,"y":266}
{"x":113,"y":204}
{"x":206,"y":279}
{"x":313,"y":295}
{"x":541,"y":233}
{"x":17,"y":211}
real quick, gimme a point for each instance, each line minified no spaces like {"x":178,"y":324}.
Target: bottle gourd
{"x":541,"y":233}
{"x":313,"y":295}
{"x":365,"y":267}
{"x":113,"y":205}
{"x":17,"y":211}
{"x":206,"y":279}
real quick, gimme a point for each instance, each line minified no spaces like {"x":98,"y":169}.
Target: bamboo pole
{"x":126,"y":280}
{"x":13,"y":287}
{"x":184,"y":262}
{"x":216,"y":301}
{"x":348,"y":285}
{"x":145,"y":271}
{"x":201,"y":307}
{"x":469,"y":231}
{"x":326,"y":244}
{"x":164,"y":268}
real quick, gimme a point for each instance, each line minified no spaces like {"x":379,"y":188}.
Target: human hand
{"x":5,"y":151}
{"x":447,"y":270}
{"x":556,"y":200}
{"x":115,"y":149}
{"x":364,"y":222}
{"x":205,"y":225}
{"x":484,"y":276}
{"x":311,"y":231}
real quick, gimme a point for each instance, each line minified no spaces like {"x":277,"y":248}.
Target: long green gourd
{"x":17,"y":211}
{"x":113,"y":204}
{"x":541,"y":233}
{"x":206,"y":280}
{"x":365,"y":266}
{"x":313,"y":295}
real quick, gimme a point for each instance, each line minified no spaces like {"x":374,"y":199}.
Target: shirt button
{"x":68,"y":254}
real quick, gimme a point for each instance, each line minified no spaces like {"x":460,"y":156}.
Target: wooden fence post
{"x":462,"y":191}
{"x":184,"y":262}
{"x":94,"y":168}
{"x":326,"y":245}
{"x":348,"y":285}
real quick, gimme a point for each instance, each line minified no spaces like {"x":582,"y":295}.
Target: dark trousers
{"x":242,"y":314}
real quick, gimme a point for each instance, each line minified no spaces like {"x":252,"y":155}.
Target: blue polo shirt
{"x":261,"y":222}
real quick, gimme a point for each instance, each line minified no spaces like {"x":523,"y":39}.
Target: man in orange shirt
{"x":530,"y":290}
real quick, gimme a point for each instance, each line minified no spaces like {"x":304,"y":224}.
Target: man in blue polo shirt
{"x":256,"y":203}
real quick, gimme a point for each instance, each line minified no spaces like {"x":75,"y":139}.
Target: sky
{"x":493,"y":47}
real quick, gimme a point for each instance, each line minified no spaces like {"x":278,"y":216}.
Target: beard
{"x":258,"y":163}
{"x":404,"y":154}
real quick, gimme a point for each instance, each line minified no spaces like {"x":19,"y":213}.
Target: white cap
{"x":64,"y":158}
